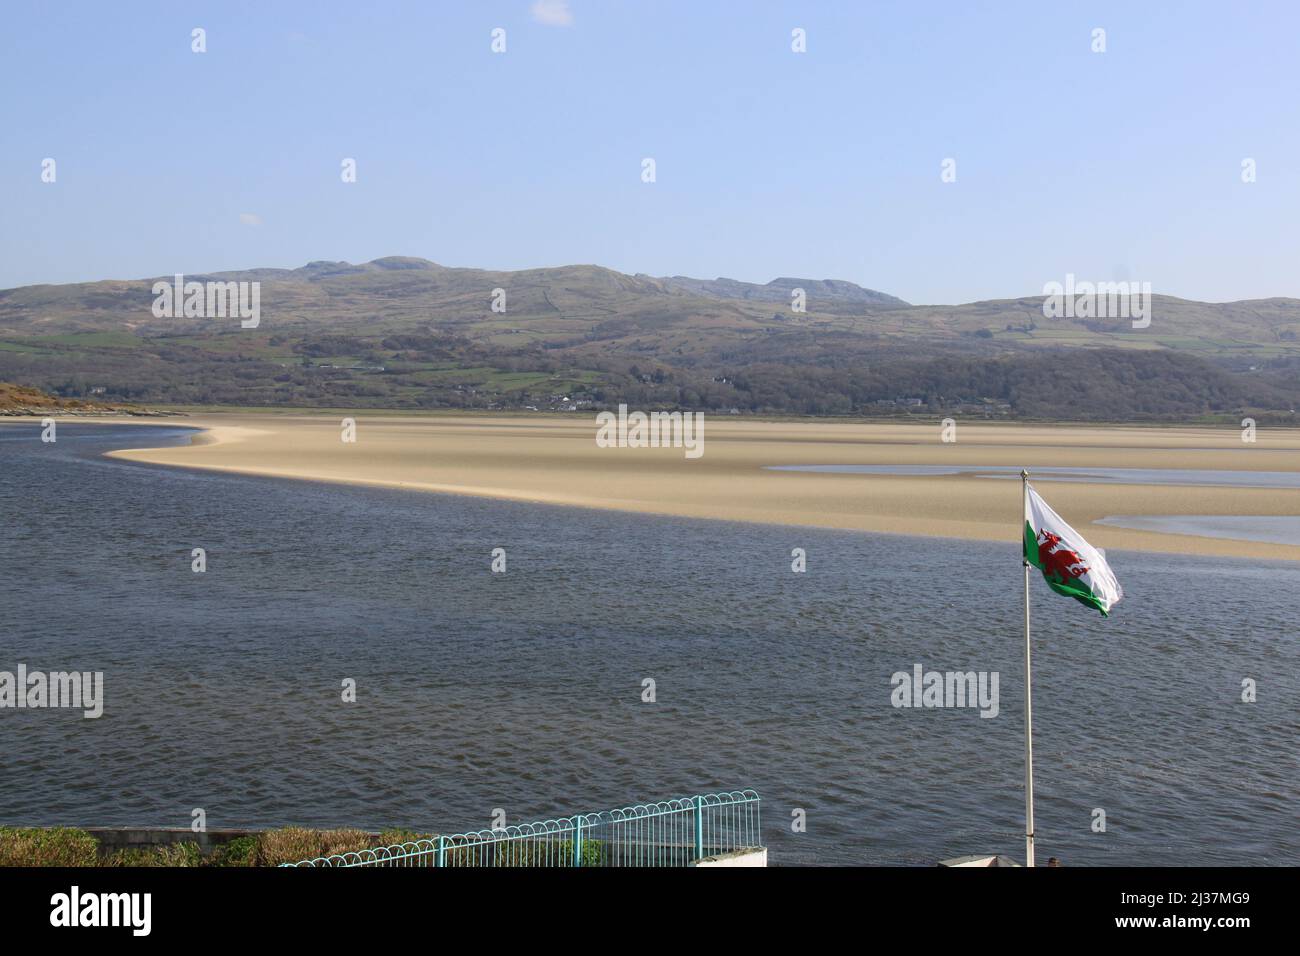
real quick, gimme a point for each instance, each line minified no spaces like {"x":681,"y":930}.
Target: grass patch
{"x":171,"y":854}
{"x":57,"y":846}
{"x":241,"y":851}
{"x":64,"y":846}
{"x":292,"y":844}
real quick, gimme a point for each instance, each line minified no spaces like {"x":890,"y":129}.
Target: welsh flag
{"x":1070,"y":565}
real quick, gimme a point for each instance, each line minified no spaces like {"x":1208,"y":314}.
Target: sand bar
{"x":555,"y":459}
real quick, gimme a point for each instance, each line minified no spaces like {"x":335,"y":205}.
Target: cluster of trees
{"x":435,"y":370}
{"x":1074,"y":385}
{"x":1079,"y":384}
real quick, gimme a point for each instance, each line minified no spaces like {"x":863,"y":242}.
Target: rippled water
{"x":523,"y":690}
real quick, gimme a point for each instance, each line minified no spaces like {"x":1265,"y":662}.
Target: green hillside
{"x":408,"y":333}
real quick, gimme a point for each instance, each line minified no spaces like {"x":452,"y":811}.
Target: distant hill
{"x":586,"y":305}
{"x":407,"y":332}
{"x":828,"y":294}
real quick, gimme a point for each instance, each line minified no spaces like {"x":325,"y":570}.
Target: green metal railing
{"x":670,"y":833}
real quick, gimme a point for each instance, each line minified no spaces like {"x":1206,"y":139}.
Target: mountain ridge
{"x":305,"y":293}
{"x":407,"y":332}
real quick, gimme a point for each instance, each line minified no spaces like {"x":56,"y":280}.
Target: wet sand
{"x":555,"y":459}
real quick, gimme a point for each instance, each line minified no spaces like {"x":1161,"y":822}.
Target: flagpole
{"x":1029,"y":743}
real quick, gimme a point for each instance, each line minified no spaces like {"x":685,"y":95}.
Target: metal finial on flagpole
{"x":1029,"y":739}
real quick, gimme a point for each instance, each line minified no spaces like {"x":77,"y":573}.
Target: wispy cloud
{"x":554,"y":13}
{"x":250,"y":219}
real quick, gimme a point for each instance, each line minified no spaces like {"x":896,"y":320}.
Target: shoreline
{"x":552,"y":460}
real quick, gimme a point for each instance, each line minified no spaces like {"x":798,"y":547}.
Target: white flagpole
{"x":1029,"y":741}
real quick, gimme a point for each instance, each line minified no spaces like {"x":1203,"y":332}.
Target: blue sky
{"x":1117,"y":165}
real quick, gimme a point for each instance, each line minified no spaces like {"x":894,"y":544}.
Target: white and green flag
{"x":1070,"y":565}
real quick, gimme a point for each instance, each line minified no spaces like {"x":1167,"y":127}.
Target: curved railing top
{"x":543,"y":828}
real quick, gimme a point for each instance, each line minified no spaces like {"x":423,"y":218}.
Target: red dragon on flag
{"x":1056,"y":560}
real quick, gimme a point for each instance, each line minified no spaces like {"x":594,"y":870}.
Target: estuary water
{"x":523,"y":690}
{"x":1205,"y":477}
{"x":1275,"y":529}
